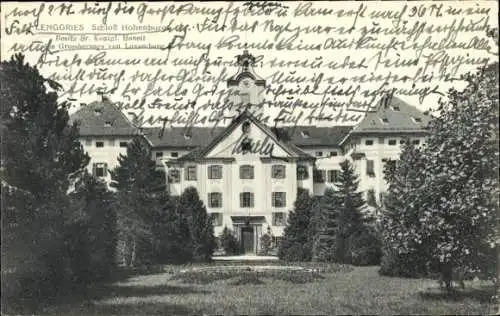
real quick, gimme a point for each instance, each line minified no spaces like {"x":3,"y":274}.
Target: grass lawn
{"x":349,"y":290}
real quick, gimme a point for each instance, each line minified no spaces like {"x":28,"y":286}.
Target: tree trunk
{"x":133,"y":252}
{"x":447,"y":275}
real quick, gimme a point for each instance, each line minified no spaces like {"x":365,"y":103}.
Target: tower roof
{"x":245,"y":61}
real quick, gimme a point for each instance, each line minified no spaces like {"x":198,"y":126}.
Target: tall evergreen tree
{"x":200,"y":224}
{"x":95,"y":257}
{"x":400,"y":212}
{"x":327,"y":229}
{"x":41,"y":158}
{"x":351,"y":219}
{"x":297,"y":242}
{"x":141,"y":190}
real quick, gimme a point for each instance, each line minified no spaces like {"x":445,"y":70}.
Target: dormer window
{"x":385,"y":120}
{"x":305,"y":134}
{"x":417,"y":119}
{"x":97,"y":112}
{"x":187,"y":135}
{"x":107,"y":124}
{"x":395,"y":108}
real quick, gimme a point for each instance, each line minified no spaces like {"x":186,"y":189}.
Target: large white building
{"x":248,"y":173}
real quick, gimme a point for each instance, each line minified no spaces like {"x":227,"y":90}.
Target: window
{"x":88,"y":142}
{"x":112,"y":142}
{"x":401,"y":141}
{"x":278,"y":172}
{"x":370,"y":168}
{"x":174,"y":154}
{"x":99,"y":144}
{"x":417,"y":120}
{"x":385,"y":120}
{"x":190,"y":173}
{"x":395,"y":108}
{"x":279,"y":199}
{"x":246,"y":199}
{"x":174,"y":176}
{"x":214,"y":199}
{"x":123,"y":144}
{"x":319,"y":153}
{"x":302,"y":173}
{"x":392,"y":142}
{"x":369,"y":142}
{"x":246,"y":172}
{"x":97,"y":112}
{"x":215,"y":172}
{"x":319,"y":176}
{"x":333,"y":176}
{"x":245,"y":127}
{"x":279,"y":219}
{"x":99,"y":169}
{"x":416,"y":142}
{"x":216,"y":219}
{"x":334,"y":154}
{"x":305,"y":134}
{"x":159,"y":154}
{"x":107,"y":124}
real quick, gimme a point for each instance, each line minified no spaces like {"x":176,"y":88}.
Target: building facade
{"x":247,"y":173}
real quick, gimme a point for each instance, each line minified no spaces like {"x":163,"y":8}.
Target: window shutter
{"x":251,"y":199}
{"x":105,"y":169}
{"x":241,"y":199}
{"x":94,"y":169}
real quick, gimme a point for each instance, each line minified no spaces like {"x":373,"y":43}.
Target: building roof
{"x":181,"y":136}
{"x":392,"y":116}
{"x":301,"y":136}
{"x":304,"y":136}
{"x":103,"y":118}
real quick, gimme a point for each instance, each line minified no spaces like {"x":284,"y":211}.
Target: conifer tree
{"x":400,"y":212}
{"x":327,"y":217}
{"x":95,"y":258}
{"x":297,"y":242}
{"x":41,"y":158}
{"x":200,"y":225}
{"x":141,"y":189}
{"x":351,"y":217}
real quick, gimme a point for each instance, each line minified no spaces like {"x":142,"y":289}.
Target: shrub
{"x":365,"y":248}
{"x":265,"y":244}
{"x":228,"y":242}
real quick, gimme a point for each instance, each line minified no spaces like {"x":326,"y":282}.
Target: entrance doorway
{"x":247,"y":239}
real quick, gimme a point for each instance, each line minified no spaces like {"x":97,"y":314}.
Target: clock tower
{"x":246,"y":87}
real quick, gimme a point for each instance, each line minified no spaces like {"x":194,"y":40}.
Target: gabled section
{"x":247,"y":136}
{"x":103,"y":118}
